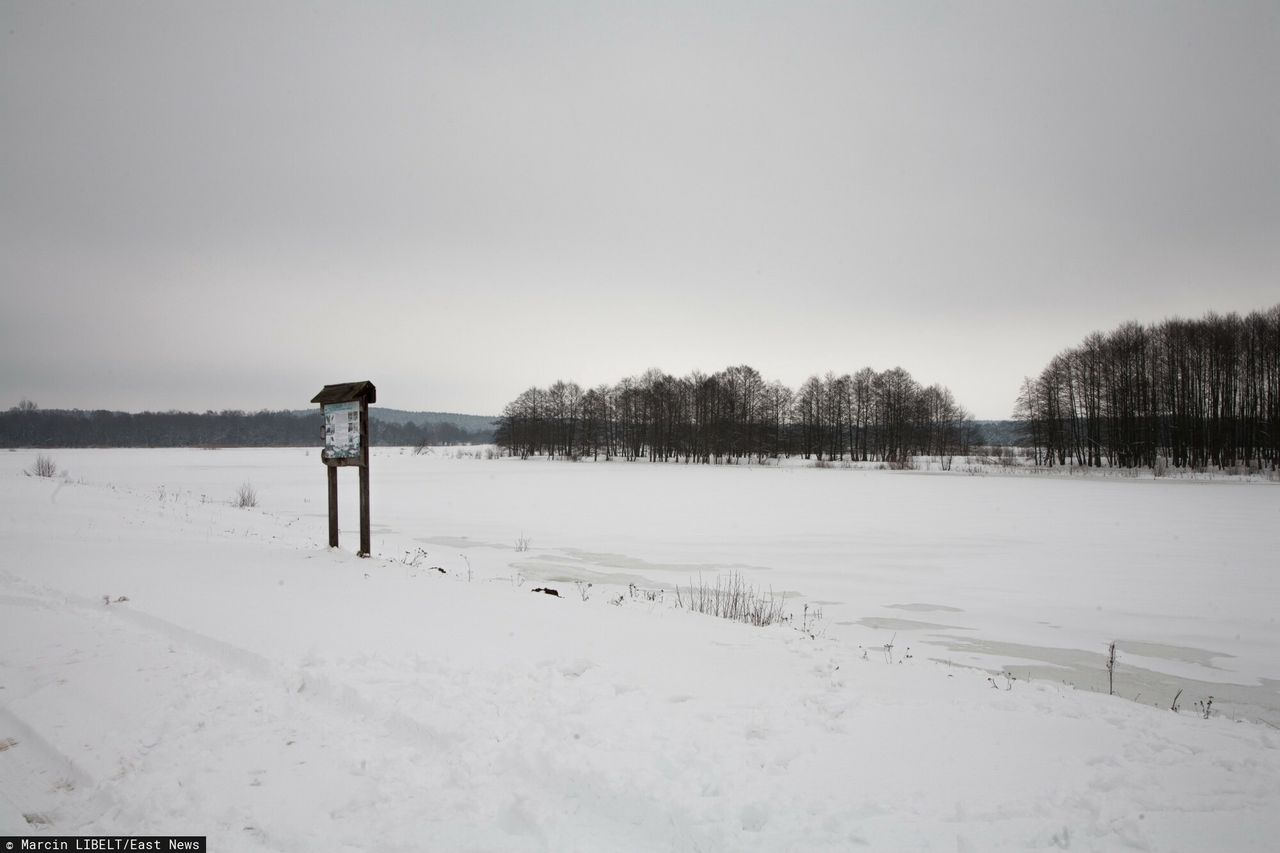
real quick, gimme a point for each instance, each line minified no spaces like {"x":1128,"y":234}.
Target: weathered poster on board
{"x":342,"y":430}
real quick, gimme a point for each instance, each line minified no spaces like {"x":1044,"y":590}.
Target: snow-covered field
{"x":274,"y":695}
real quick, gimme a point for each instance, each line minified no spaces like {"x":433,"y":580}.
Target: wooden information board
{"x":346,"y":443}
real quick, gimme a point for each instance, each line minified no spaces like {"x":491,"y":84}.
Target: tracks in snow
{"x":196,"y":712}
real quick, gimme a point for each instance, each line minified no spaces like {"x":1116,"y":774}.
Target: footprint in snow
{"x":575,"y":668}
{"x":754,"y":817}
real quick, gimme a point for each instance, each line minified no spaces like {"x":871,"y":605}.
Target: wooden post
{"x":333,"y":505}
{"x":366,"y":547}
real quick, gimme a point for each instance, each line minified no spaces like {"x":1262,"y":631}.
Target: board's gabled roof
{"x":346,"y":392}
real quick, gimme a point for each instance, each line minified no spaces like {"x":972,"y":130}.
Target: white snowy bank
{"x":274,"y":695}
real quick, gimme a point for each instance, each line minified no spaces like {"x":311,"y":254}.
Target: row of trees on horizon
{"x":736,"y":414}
{"x":1187,"y":393}
{"x":1182,"y":393}
{"x":27,"y":425}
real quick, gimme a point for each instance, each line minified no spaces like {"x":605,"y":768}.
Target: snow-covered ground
{"x":274,"y":695}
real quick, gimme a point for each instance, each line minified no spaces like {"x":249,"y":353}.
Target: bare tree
{"x":1191,"y":393}
{"x":735,"y":415}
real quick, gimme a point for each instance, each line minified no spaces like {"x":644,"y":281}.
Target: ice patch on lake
{"x":890,"y":623}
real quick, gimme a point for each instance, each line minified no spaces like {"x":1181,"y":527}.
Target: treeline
{"x":1187,"y":393}
{"x":26,"y":425}
{"x":734,"y":415}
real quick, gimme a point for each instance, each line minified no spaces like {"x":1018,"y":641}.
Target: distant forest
{"x":1187,"y":393}
{"x":735,"y":415}
{"x":1181,"y":393}
{"x":27,"y":425}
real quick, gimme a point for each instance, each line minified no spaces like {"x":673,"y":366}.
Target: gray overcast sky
{"x":227,"y":205}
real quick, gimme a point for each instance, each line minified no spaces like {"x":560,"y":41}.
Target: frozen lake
{"x":1033,"y":574}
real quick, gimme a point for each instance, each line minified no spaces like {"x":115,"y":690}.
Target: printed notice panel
{"x":341,"y":430}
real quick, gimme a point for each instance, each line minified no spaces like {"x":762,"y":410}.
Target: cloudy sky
{"x":228,"y":205}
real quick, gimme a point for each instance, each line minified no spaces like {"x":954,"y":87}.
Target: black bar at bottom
{"x":58,"y":843}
